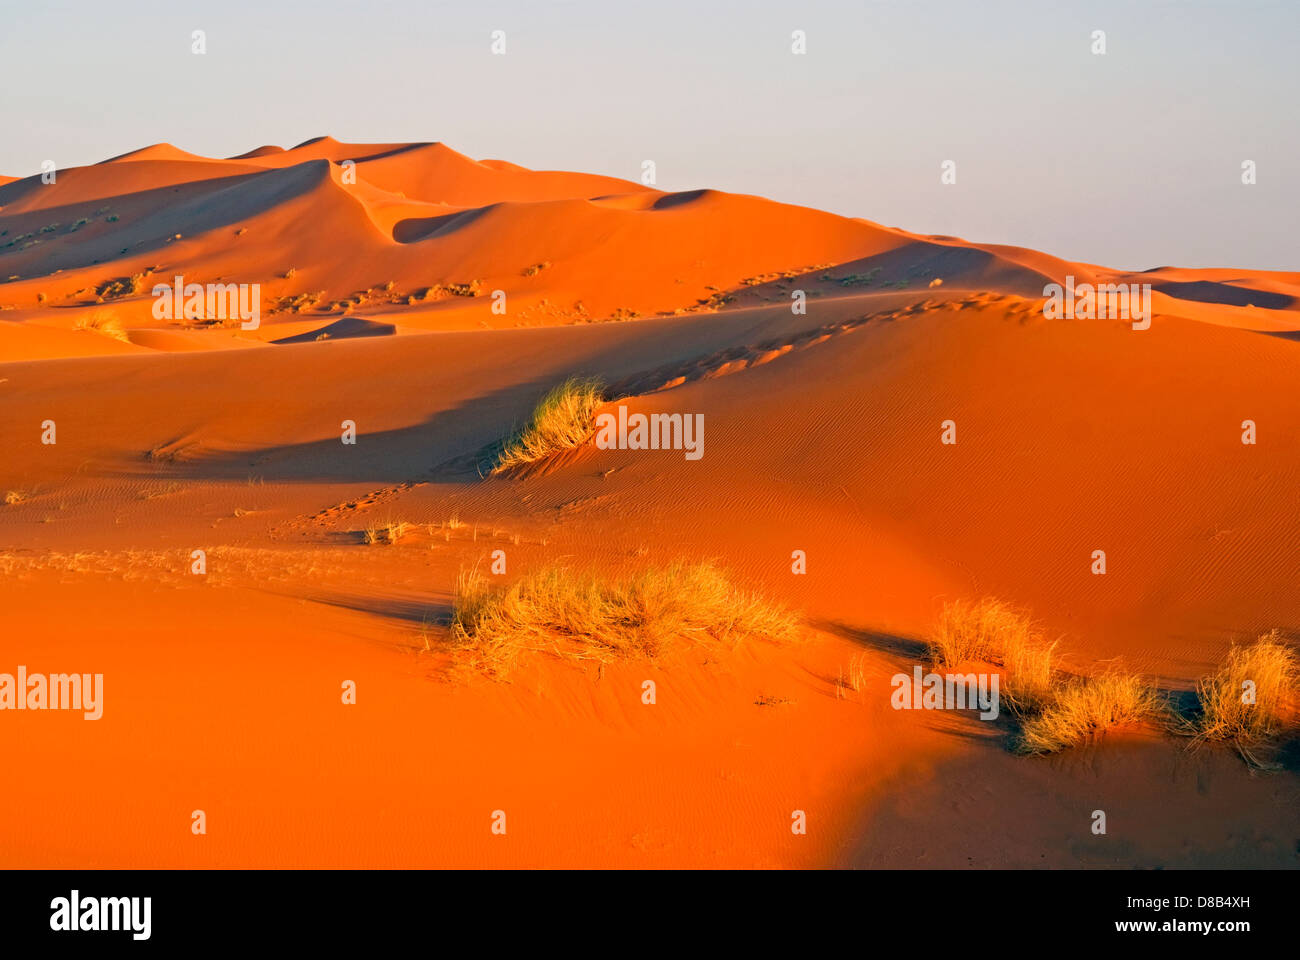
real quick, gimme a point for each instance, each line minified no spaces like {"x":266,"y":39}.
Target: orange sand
{"x":223,"y":691}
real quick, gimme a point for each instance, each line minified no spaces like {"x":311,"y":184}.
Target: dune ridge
{"x":331,"y":228}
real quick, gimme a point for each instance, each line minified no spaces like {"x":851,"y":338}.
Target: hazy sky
{"x":1131,"y":159}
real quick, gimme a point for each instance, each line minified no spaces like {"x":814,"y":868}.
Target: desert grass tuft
{"x":584,"y":616}
{"x":387,"y":533}
{"x":1086,"y":708}
{"x":857,"y":673}
{"x":564,"y":418}
{"x":992,"y":631}
{"x":1252,"y":698}
{"x":103,"y":324}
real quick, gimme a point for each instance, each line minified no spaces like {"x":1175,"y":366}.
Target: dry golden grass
{"x":104,"y":324}
{"x":857,"y":672}
{"x":1269,"y":669}
{"x":588,"y":617}
{"x":854,"y":679}
{"x":387,"y":533}
{"x":1086,"y":708}
{"x":1056,"y":713}
{"x":563,"y":419}
{"x":991,"y":631}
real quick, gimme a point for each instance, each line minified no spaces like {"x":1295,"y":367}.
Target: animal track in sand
{"x":735,"y":359}
{"x":382,"y":495}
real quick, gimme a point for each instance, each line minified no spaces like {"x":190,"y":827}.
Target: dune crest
{"x":393,"y":231}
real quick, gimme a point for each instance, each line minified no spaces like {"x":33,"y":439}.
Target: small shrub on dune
{"x":563,"y":419}
{"x":1251,"y":698}
{"x":387,"y":533}
{"x":1029,"y":671}
{"x":103,"y":324}
{"x":991,"y":631}
{"x":588,"y":617}
{"x":976,"y":631}
{"x":1086,"y":708}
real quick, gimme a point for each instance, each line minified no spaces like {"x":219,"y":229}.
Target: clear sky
{"x":1131,"y":159}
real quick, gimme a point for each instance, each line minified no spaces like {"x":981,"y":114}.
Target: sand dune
{"x":823,"y":435}
{"x":411,"y":225}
